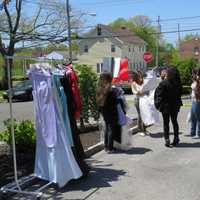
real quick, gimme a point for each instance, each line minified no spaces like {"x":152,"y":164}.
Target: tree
{"x":88,"y":82}
{"x":188,"y":37}
{"x":118,"y":23}
{"x":185,"y":68}
{"x":141,"y":26}
{"x":46,"y":25}
{"x":167,"y":53}
{"x":141,"y":21}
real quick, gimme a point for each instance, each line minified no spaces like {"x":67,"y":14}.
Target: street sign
{"x":147,"y":56}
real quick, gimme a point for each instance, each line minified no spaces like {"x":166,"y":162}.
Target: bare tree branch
{"x":18,"y":9}
{"x":37,"y":17}
{"x":8,"y":17}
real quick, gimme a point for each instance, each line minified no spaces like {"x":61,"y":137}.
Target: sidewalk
{"x":149,"y":171}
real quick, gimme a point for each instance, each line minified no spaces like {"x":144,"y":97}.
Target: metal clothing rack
{"x":16,"y":187}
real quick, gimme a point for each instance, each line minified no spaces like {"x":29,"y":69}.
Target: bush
{"x":19,"y":78}
{"x":24,"y":135}
{"x":87,"y":82}
{"x":185,"y":68}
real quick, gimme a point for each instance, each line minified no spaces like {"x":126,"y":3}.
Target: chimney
{"x":123,"y":27}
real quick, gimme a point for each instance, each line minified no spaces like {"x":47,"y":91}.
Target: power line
{"x":176,"y":19}
{"x":94,"y":37}
{"x":112,"y":2}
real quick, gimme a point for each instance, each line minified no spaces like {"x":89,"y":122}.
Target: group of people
{"x":166,"y":100}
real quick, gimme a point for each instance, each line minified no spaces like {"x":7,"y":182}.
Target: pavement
{"x":148,"y":171}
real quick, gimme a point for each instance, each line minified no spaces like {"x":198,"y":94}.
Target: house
{"x":60,"y":55}
{"x":104,"y":42}
{"x":39,"y":54}
{"x":190,"y":49}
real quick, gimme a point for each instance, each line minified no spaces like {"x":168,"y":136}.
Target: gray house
{"x":104,"y":42}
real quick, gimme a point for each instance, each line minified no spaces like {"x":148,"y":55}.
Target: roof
{"x":60,"y":55}
{"x":124,"y":34}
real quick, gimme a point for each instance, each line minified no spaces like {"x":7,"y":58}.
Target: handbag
{"x":121,"y":115}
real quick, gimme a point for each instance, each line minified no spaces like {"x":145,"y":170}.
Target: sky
{"x":109,"y":10}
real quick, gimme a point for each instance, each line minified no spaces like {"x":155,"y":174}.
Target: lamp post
{"x":69,"y":28}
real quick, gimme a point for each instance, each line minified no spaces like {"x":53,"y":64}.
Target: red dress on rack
{"x":71,"y":74}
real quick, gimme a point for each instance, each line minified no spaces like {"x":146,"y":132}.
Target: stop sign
{"x":147,"y":56}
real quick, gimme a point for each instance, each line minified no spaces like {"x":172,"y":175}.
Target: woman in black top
{"x":107,"y":101}
{"x":167,"y":100}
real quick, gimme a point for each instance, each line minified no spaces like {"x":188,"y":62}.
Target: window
{"x":129,"y":49}
{"x":196,"y":50}
{"x":133,"y":49}
{"x":112,"y":48}
{"x":86,"y":48}
{"x":99,"y":67}
{"x":98,"y":30}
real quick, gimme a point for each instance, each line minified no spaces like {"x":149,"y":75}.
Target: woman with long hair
{"x":137,"y":81}
{"x":107,"y":101}
{"x":167,"y":100}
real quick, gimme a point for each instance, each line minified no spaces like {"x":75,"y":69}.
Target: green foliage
{"x":141,"y":26}
{"x":185,"y":68}
{"x":19,"y":78}
{"x":24,"y":135}
{"x":87,"y":82}
{"x":188,"y":37}
{"x":118,"y":23}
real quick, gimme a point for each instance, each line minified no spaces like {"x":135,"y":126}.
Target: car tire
{"x":30,"y":97}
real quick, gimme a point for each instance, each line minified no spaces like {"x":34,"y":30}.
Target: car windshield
{"x":23,"y":84}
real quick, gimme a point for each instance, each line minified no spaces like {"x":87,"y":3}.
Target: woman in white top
{"x":137,"y":81}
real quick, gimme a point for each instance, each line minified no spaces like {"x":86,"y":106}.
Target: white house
{"x":104,"y":42}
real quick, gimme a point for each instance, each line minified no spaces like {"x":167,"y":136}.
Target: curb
{"x":94,"y":149}
{"x":100,"y":146}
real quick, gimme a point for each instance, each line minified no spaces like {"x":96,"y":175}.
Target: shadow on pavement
{"x":156,"y":135}
{"x":189,"y":145}
{"x":160,"y":134}
{"x":99,"y":177}
{"x":134,"y":150}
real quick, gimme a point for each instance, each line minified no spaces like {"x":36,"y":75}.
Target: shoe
{"x":111,"y":151}
{"x":167,"y":143}
{"x":142,"y":134}
{"x":175,"y":142}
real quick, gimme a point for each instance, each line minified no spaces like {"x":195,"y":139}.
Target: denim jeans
{"x":195,"y":118}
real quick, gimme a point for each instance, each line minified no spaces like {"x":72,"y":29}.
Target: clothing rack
{"x":18,"y":183}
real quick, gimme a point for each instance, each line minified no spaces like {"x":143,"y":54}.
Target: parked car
{"x":22,"y":91}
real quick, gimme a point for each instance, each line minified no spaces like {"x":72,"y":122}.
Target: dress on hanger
{"x":78,"y":148}
{"x":54,"y":160}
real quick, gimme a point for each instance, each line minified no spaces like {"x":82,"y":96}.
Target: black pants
{"x":166,"y":118}
{"x":112,"y":132}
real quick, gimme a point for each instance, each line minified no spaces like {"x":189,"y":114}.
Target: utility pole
{"x":69,"y":30}
{"x":157,"y":41}
{"x":179,"y":37}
